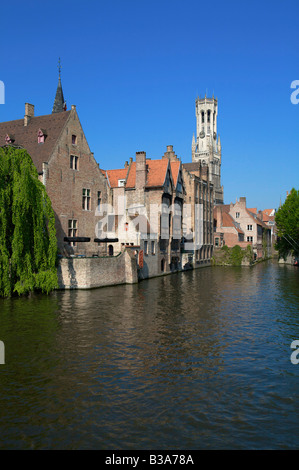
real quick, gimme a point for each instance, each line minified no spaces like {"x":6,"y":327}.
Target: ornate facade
{"x":206,"y":148}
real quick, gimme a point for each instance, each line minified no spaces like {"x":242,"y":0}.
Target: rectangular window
{"x":99,"y":201}
{"x":250,"y":239}
{"x":145,"y":247}
{"x":86,"y":204}
{"x":74,"y":139}
{"x":216,"y":241}
{"x":237,"y":215}
{"x":74,"y":162}
{"x":72,"y":230}
{"x":249,"y":227}
{"x":153,"y":247}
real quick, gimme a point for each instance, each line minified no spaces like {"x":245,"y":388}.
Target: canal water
{"x":195,"y":360}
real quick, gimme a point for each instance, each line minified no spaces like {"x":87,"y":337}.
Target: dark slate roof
{"x":26,"y":136}
{"x":59,"y":102}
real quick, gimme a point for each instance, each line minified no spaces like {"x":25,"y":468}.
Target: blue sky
{"x":134,"y":69}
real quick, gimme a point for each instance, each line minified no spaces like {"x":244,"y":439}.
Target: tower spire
{"x":59,"y":102}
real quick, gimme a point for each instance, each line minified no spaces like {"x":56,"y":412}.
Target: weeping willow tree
{"x":28,"y":246}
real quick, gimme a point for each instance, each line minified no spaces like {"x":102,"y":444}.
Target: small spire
{"x":59,"y":102}
{"x":59,"y":67}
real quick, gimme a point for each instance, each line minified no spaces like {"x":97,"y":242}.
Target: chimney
{"x":29,"y":113}
{"x":243,"y":201}
{"x":170,"y":153}
{"x":126,"y":164}
{"x":140,"y":170}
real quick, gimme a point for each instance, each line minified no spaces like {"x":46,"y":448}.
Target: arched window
{"x":202,"y":116}
{"x":209,"y":115}
{"x":110,"y":250}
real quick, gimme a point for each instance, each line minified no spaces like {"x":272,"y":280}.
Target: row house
{"x":65,"y":164}
{"x":235,"y":224}
{"x":200,"y":202}
{"x":145,"y":212}
{"x":163,"y":210}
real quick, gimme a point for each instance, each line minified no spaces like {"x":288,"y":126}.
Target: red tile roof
{"x":256,"y":219}
{"x":175,"y":168}
{"x":156,"y":173}
{"x":228,"y":221}
{"x":115,"y":175}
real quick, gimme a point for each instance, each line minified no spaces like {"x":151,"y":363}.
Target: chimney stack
{"x":140,"y":170}
{"x":170,"y":153}
{"x":29,"y":113}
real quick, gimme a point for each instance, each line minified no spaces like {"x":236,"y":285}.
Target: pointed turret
{"x":193,"y":147}
{"x":59,"y":103}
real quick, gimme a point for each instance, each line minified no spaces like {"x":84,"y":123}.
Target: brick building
{"x":147,"y":199}
{"x":199,"y":197}
{"x":235,"y":224}
{"x":74,"y":182}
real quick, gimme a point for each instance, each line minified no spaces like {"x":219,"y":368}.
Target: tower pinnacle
{"x":59,"y":103}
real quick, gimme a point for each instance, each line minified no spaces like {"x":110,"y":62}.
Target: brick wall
{"x":65,"y":186}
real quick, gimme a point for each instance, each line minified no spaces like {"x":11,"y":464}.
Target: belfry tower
{"x":207,"y":147}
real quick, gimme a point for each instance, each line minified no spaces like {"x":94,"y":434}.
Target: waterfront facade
{"x":147,"y":199}
{"x":235,"y":224}
{"x":199,"y":198}
{"x":157,"y":216}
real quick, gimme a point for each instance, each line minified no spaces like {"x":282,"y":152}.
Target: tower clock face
{"x":202,"y":134}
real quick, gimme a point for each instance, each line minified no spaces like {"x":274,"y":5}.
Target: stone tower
{"x":207,"y":147}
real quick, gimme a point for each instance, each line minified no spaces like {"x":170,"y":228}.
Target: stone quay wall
{"x":88,"y":273}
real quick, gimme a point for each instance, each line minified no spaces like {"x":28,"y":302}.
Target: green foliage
{"x":236,"y":256}
{"x":28,"y":246}
{"x":287,"y":222}
{"x":249,"y":256}
{"x":225,"y":248}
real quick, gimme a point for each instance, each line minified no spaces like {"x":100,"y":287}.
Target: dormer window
{"x":41,"y":136}
{"x":74,"y":139}
{"x":121,"y":183}
{"x":9,"y":139}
